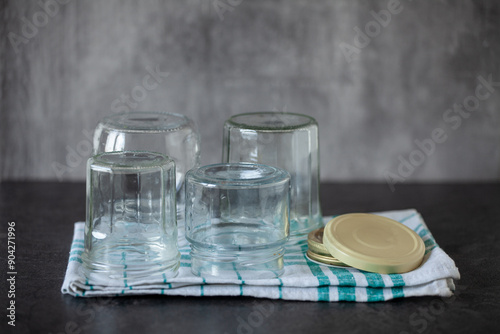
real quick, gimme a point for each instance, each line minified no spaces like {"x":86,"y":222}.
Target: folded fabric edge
{"x":438,"y":288}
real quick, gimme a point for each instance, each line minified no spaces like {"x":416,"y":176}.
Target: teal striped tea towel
{"x":303,"y":279}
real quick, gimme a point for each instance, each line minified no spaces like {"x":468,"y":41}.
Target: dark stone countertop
{"x":464,"y":219}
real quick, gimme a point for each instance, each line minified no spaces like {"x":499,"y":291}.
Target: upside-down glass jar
{"x":237,"y":220}
{"x":130,"y":230}
{"x":174,"y":135}
{"x":288,"y":141}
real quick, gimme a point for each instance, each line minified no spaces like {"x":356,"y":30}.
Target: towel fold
{"x":303,"y":279}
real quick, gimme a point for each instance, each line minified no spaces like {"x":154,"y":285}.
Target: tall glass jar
{"x":288,"y":141}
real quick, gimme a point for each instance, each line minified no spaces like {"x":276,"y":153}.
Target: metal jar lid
{"x":373,"y":243}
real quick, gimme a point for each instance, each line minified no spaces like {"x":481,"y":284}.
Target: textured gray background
{"x":255,"y":55}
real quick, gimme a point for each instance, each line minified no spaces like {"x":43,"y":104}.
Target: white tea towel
{"x":302,"y":280}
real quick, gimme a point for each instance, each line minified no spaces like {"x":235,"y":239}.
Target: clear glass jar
{"x":131,"y":225}
{"x":171,"y":134}
{"x":237,"y":219}
{"x":288,"y":141}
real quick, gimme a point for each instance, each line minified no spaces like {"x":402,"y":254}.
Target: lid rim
{"x":329,"y":260}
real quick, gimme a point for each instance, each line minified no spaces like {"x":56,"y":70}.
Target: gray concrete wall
{"x":375,"y":94}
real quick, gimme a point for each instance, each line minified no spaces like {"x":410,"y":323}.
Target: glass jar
{"x":288,"y":141}
{"x":131,"y":225}
{"x":171,"y":134}
{"x":237,"y":219}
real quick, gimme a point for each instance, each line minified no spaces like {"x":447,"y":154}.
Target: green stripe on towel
{"x":323,"y":280}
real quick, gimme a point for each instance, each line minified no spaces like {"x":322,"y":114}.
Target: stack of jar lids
{"x":367,"y":242}
{"x":317,"y":251}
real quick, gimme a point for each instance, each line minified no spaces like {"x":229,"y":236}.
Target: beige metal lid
{"x":373,"y":243}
